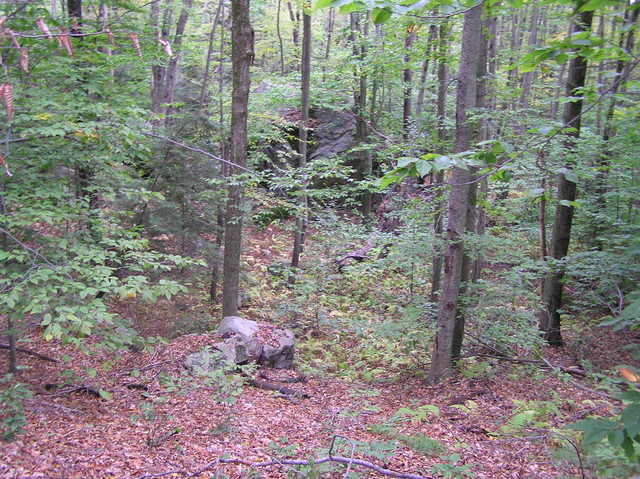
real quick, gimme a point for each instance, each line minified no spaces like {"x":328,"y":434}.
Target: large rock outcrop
{"x":246,"y":341}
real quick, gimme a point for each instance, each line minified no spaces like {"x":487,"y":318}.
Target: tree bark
{"x":448,"y":333}
{"x":549,"y":317}
{"x":171,"y":76}
{"x":279,"y":34}
{"x":626,"y":42}
{"x":207,"y":68}
{"x":365,"y":165}
{"x":443,"y":48}
{"x":241,"y":58}
{"x":527,"y":78}
{"x":301,"y":220}
{"x":433,"y":33}
{"x":407,"y":79}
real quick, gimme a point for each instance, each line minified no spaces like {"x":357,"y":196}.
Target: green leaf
{"x":106,"y":395}
{"x":405,"y":161}
{"x":322,"y":4}
{"x":381,"y":15}
{"x":423,"y":167}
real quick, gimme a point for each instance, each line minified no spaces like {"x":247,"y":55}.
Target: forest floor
{"x":173,"y":428}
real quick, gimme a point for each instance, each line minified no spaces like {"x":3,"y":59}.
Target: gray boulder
{"x":281,"y":356}
{"x":242,"y":343}
{"x":240,"y":351}
{"x":202,"y":362}
{"x":235,"y":325}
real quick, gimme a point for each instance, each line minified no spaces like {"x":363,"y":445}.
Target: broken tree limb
{"x":542,"y":364}
{"x":268,"y":386}
{"x":290,"y":462}
{"x":30,"y":353}
{"x":357,"y":255}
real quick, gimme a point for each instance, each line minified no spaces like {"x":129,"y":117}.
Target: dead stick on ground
{"x":30,"y":353}
{"x":544,"y":364}
{"x":292,"y":462}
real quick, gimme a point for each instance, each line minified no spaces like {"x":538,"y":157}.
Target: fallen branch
{"x":30,"y":353}
{"x":357,"y":255}
{"x":268,"y":386}
{"x":543,"y":364}
{"x":291,"y":462}
{"x":297,"y":379}
{"x":323,"y":460}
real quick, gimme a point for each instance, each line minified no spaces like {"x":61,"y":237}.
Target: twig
{"x":353,"y":451}
{"x":575,"y":447}
{"x":30,"y":353}
{"x":202,"y":152}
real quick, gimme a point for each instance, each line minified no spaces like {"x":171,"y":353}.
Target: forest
{"x":313,"y":239}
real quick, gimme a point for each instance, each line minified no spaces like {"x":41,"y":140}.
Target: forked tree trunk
{"x":241,"y":58}
{"x":301,"y":220}
{"x":549,"y":317}
{"x":447,"y":332}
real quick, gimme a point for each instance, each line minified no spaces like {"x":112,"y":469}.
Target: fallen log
{"x":30,"y":353}
{"x":268,"y":386}
{"x":357,"y":255}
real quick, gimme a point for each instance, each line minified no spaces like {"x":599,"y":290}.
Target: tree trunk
{"x":207,"y":68}
{"x":301,"y":221}
{"x":443,"y":48}
{"x":433,"y":33}
{"x":171,"y":77}
{"x":295,"y":21}
{"x":365,"y":166}
{"x":11,"y":333}
{"x":469,"y":266}
{"x":448,"y":333}
{"x":407,"y":79}
{"x":279,"y":34}
{"x":549,"y":317}
{"x":527,"y":78}
{"x":328,"y":34}
{"x":241,"y":58}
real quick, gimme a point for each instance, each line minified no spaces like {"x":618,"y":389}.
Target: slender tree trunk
{"x":448,"y":331}
{"x":242,"y":58}
{"x":279,"y":34}
{"x":207,"y":68}
{"x":365,"y":165}
{"x":407,"y":79}
{"x":527,"y":78}
{"x":443,"y":48}
{"x":301,"y":221}
{"x":171,"y":77}
{"x":601,"y":87}
{"x":433,"y":33}
{"x":549,"y":317}
{"x":626,"y":42}
{"x":11,"y":333}
{"x":328,"y":34}
{"x":294,"y":16}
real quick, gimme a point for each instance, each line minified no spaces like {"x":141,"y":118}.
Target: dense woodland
{"x":439,"y":198}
